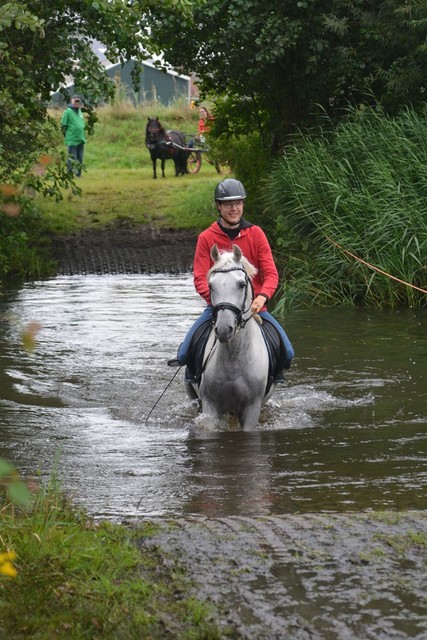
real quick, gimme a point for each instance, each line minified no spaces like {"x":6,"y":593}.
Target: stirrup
{"x":279,"y":378}
{"x":174,"y":363}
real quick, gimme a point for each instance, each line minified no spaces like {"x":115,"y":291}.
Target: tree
{"x":42,"y":44}
{"x":272,"y":64}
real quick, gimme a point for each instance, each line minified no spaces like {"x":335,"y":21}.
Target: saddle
{"x":277,"y":356}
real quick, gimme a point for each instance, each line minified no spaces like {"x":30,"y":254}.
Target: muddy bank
{"x":124,"y":248}
{"x":307,"y":577}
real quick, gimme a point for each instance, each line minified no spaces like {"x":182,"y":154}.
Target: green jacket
{"x":73,"y":123}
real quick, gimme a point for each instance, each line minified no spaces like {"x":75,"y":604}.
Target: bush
{"x":249,"y":161}
{"x":22,"y":253}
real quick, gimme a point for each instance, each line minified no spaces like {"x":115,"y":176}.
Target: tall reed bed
{"x":359,"y":188}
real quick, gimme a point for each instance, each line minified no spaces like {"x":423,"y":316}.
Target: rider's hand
{"x":258,"y":304}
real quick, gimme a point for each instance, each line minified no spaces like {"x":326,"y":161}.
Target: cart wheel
{"x":194,"y":161}
{"x":222,"y":169}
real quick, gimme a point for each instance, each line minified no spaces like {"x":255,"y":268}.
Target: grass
{"x":79,"y":579}
{"x":118,"y":182}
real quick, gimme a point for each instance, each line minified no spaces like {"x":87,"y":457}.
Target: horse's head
{"x":153,"y":132}
{"x":231,"y":291}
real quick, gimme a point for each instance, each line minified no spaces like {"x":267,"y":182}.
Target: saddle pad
{"x":196,"y":351}
{"x":276,"y":349}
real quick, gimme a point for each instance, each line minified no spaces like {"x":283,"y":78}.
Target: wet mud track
{"x":300,"y":577}
{"x":122,"y":247}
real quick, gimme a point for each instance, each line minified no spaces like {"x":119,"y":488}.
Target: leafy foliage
{"x":42,"y":44}
{"x":271,"y":63}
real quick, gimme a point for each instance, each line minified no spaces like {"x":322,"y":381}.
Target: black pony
{"x":164,"y":145}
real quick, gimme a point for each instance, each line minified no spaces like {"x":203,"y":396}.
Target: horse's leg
{"x":249,"y":416}
{"x":176,"y":163}
{"x":210,"y":411}
{"x":163,"y":167}
{"x":154,"y":168}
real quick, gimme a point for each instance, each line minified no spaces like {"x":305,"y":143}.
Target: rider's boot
{"x":174,"y":363}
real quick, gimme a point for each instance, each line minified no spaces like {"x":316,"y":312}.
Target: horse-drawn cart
{"x":194,"y":161}
{"x":195,"y":154}
{"x":187,"y":156}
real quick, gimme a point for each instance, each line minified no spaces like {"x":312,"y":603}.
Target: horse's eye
{"x":242,"y":285}
{"x":210,"y":287}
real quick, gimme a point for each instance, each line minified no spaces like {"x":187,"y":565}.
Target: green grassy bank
{"x":118,"y":180}
{"x":117,"y":184}
{"x":64,"y":576}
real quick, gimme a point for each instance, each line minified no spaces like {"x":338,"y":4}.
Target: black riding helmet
{"x":230,"y":189}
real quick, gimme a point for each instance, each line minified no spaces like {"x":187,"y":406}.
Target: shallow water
{"x":346,"y":432}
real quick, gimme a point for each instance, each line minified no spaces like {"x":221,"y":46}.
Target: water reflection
{"x":346,"y":432}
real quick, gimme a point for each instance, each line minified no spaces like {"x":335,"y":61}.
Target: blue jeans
{"x":207,"y":315}
{"x":75,"y":153}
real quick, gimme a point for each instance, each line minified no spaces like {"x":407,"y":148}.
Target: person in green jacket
{"x":73,"y":128}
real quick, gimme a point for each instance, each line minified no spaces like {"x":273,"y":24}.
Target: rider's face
{"x":231,"y":211}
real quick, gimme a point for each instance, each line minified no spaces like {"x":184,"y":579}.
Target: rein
{"x":155,"y":138}
{"x":238,"y":311}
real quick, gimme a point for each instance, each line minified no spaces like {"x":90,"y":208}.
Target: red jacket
{"x":204,"y":125}
{"x":254,"y":246}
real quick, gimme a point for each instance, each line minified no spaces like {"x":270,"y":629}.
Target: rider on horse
{"x":231,"y":228}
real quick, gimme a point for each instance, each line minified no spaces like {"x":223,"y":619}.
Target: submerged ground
{"x":125,"y":248}
{"x":307,"y":577}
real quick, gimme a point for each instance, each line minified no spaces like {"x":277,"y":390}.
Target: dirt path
{"x":301,"y":577}
{"x":124,"y":248}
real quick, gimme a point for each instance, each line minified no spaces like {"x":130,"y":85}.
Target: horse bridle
{"x":152,"y":137}
{"x":238,"y":311}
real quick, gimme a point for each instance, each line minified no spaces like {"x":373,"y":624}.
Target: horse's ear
{"x":237,"y":253}
{"x":214,"y":253}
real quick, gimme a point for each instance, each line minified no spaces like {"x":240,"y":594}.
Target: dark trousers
{"x":75,"y":154}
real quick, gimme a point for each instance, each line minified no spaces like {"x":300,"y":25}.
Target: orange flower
{"x":9,"y":190}
{"x":11,"y":209}
{"x":45,"y":160}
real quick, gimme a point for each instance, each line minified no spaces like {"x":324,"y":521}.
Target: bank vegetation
{"x":63,"y":575}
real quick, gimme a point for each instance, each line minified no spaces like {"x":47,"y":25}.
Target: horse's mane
{"x":226,"y":259}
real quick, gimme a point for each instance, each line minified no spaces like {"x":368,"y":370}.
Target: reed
{"x":361,"y":185}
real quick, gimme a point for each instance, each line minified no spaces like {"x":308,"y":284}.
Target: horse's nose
{"x":225,"y":333}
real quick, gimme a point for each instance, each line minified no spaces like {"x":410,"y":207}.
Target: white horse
{"x":235,"y":371}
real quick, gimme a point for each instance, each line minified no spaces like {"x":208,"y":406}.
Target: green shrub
{"x":22,"y":252}
{"x":249,"y":163}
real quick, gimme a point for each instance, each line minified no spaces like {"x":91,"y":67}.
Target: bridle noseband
{"x":153,"y":137}
{"x":238,"y":311}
